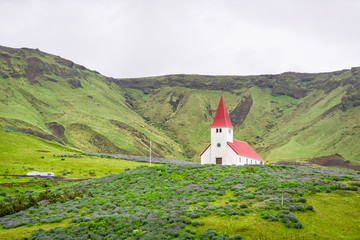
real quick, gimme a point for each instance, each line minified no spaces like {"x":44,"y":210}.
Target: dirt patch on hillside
{"x":35,"y":68}
{"x":39,"y":134}
{"x":57,"y":129}
{"x":86,"y":138}
{"x":75,"y":83}
{"x":335,"y":160}
{"x":141,"y":141}
{"x":239,"y":114}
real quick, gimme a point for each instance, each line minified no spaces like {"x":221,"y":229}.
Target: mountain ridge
{"x":283,"y":116}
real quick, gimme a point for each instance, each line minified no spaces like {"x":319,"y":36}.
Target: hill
{"x":55,"y":99}
{"x":286,"y":116}
{"x":195,"y":202}
{"x":289,"y":116}
{"x":23,"y":153}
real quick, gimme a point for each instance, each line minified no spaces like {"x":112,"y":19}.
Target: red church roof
{"x":205,"y":150}
{"x":242,"y":148}
{"x":222,"y":117}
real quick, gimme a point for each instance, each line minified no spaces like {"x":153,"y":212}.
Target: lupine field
{"x":175,"y":201}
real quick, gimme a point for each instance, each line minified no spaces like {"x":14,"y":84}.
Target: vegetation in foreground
{"x":202,"y":202}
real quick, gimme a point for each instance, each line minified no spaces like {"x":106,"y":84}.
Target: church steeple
{"x":222,"y":118}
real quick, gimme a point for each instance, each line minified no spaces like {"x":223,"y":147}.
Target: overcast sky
{"x":137,"y":38}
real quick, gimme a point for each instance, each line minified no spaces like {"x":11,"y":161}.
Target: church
{"x":223,"y":149}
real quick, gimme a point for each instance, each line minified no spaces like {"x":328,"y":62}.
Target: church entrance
{"x":218,"y":160}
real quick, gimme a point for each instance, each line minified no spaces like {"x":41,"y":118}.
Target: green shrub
{"x":298,"y":225}
{"x":243,"y":205}
{"x":353,"y":188}
{"x":302,"y":200}
{"x":310,"y":207}
{"x":195,"y":223}
{"x":299,"y":207}
{"x":236,"y":237}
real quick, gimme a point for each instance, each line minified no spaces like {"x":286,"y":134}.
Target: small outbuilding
{"x":41,"y":174}
{"x":224,"y":149}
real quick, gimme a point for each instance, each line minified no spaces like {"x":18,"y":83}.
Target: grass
{"x":336,"y":214}
{"x":278,"y":127}
{"x":20,"y":189}
{"x":25,"y":231}
{"x":41,"y":155}
{"x":332,"y":217}
{"x":95,"y":104}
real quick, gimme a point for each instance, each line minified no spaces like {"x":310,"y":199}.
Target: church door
{"x":218,"y":160}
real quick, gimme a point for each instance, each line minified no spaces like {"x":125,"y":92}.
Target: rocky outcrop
{"x":35,"y":68}
{"x":57,"y":129}
{"x":64,"y":62}
{"x":240,"y":112}
{"x":75,"y":83}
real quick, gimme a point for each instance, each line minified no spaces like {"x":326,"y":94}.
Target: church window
{"x":229,"y":130}
{"x":220,"y":130}
{"x":217,"y":130}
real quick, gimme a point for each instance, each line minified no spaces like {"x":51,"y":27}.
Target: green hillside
{"x":55,"y":99}
{"x":22,"y":153}
{"x":290,"y":116}
{"x":286,"y":116}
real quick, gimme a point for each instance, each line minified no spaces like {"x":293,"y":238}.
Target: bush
{"x":298,"y":225}
{"x":3,"y":194}
{"x":249,"y":196}
{"x":310,"y":207}
{"x":353,"y":188}
{"x":302,"y":199}
{"x":243,"y":205}
{"x":236,"y":237}
{"x":299,"y":207}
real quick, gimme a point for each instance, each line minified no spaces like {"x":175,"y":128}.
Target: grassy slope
{"x":327,"y":220}
{"x":13,"y":161}
{"x":93,"y":106}
{"x":25,"y":231}
{"x":278,"y":127}
{"x":99,"y":117}
{"x":332,"y":217}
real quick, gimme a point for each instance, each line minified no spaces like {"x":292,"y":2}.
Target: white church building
{"x":223,"y":149}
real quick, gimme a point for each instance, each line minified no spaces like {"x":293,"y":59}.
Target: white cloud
{"x":146,"y":38}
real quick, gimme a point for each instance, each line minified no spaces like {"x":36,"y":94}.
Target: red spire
{"x":222,"y":117}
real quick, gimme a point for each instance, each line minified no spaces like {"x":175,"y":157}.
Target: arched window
{"x":217,"y":130}
{"x":220,"y":129}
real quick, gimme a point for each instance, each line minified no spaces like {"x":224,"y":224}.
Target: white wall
{"x":205,"y":157}
{"x":226,"y":135}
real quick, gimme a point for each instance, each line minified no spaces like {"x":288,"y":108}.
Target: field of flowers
{"x":169,"y":201}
